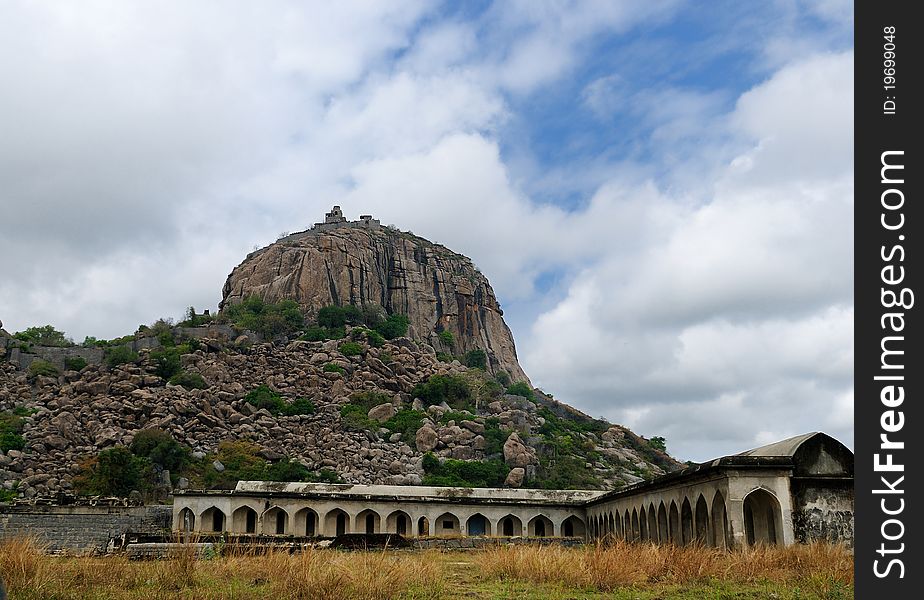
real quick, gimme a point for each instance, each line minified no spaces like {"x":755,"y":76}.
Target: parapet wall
{"x":81,"y":529}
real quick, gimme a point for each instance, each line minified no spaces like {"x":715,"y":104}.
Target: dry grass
{"x":605,"y":568}
{"x":308,"y":575}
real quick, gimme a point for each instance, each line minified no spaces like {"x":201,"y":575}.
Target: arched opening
{"x":336,"y":522}
{"x":368,"y":521}
{"x":686,"y":522}
{"x":447,"y":524}
{"x":573,"y":527}
{"x":398,"y":522}
{"x":627,"y":526}
{"x":276,"y":521}
{"x":663,"y":531}
{"x":423,"y":526}
{"x":214,"y":519}
{"x":187,"y":520}
{"x":674,"y":517}
{"x":540,"y":526}
{"x":701,"y":522}
{"x":636,"y":529}
{"x":762,"y":518}
{"x":652,"y":524}
{"x":306,"y":522}
{"x":719,"y":521}
{"x":244,"y":520}
{"x":510,"y":526}
{"x":643,"y":525}
{"x":478,"y":524}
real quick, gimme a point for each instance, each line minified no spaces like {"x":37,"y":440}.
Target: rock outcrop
{"x":340,"y":263}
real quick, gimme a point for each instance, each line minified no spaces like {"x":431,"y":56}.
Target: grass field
{"x":620,"y":571}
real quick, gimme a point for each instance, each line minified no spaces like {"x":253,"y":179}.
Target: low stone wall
{"x":81,"y":529}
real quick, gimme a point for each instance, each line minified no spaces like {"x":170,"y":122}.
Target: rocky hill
{"x":362,"y":419}
{"x":337,"y":356}
{"x":349,"y":263}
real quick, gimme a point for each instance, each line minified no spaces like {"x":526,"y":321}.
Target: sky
{"x":660,"y":192}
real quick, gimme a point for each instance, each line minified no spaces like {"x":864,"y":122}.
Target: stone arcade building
{"x":796,"y":490}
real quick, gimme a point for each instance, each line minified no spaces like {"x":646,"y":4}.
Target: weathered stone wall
{"x":81,"y":529}
{"x":824,"y":511}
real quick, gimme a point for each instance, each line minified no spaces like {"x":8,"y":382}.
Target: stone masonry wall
{"x":81,"y":529}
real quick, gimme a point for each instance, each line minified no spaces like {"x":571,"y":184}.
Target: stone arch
{"x":368,"y":521}
{"x":399,"y":522}
{"x":212,"y":519}
{"x":686,"y":522}
{"x":674,"y":520}
{"x":643,"y":525}
{"x":701,"y":523}
{"x":719,"y":521}
{"x":636,"y":528}
{"x":306,"y":522}
{"x":336,"y":522}
{"x":763,"y":518}
{"x":617,"y":521}
{"x":244,"y":520}
{"x":423,"y":526}
{"x":664,"y":534}
{"x":275,"y":521}
{"x":510,"y":526}
{"x":187,"y":520}
{"x":478,"y":524}
{"x":627,"y":526}
{"x":540,"y":526}
{"x":573,"y":527}
{"x":652,"y":524}
{"x":446,"y":524}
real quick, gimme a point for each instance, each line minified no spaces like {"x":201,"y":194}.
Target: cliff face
{"x":436,"y":288}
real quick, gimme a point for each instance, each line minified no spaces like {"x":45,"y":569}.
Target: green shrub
{"x":11,"y":441}
{"x":503,"y":378}
{"x":334,"y":368}
{"x":8,"y":495}
{"x":264,"y":397}
{"x":321,"y":334}
{"x":42,"y":368}
{"x":299,"y":406}
{"x":334,"y":317}
{"x":386,"y":357}
{"x":406,"y":422}
{"x":451,"y":415}
{"x":476,"y":359}
{"x":374,"y":338}
{"x":75,"y":363}
{"x":464,"y":473}
{"x":190,"y":381}
{"x":356,"y":417}
{"x":447,"y":338}
{"x":521,"y":388}
{"x":44,"y":336}
{"x":351,"y":349}
{"x":166,"y":361}
{"x":114,"y":472}
{"x":658,"y":443}
{"x":394,"y":326}
{"x":452,"y":389}
{"x":160,"y":448}
{"x":565,"y":472}
{"x":191,"y":319}
{"x":120,"y":355}
{"x":445,"y":357}
{"x":370,"y":399}
{"x":494,"y":437}
{"x":270,"y":320}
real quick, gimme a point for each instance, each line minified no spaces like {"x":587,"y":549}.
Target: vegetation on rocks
{"x":42,"y":368}
{"x":11,"y":425}
{"x":45,"y":335}
{"x":264,"y":397}
{"x":267,"y":318}
{"x":464,"y":473}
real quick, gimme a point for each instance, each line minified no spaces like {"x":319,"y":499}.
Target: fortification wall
{"x":81,"y":529}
